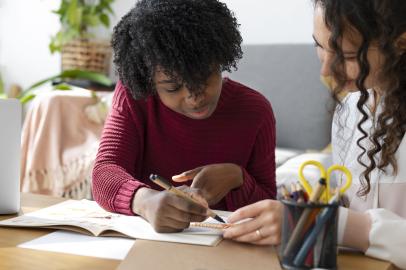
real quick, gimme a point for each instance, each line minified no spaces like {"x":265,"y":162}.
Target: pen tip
{"x":216,"y":217}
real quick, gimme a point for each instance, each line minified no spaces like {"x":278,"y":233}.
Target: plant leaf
{"x":1,"y":85}
{"x":56,"y":42}
{"x":74,"y":74}
{"x":71,"y":12}
{"x":91,"y":20}
{"x":29,"y":93}
{"x":88,"y":75}
{"x":110,"y":10}
{"x":62,"y":86}
{"x":104,"y":19}
{"x":27,"y":98}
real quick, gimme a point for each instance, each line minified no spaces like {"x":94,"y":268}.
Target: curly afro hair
{"x":187,"y":39}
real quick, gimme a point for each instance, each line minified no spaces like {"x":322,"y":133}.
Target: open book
{"x":89,"y":218}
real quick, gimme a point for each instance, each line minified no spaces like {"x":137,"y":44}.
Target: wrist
{"x":138,"y":204}
{"x":357,"y":230}
{"x":239,"y":176}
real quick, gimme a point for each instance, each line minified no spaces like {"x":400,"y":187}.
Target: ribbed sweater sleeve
{"x":120,"y":149}
{"x":258,"y":183}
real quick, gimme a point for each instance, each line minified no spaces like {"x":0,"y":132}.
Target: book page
{"x":83,"y":214}
{"x":91,"y":217}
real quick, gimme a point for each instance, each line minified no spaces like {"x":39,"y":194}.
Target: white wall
{"x":262,"y":21}
{"x":26,"y":27}
{"x":274,"y":21}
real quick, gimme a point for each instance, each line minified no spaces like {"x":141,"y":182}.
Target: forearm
{"x":114,"y":174}
{"x":377,"y":232}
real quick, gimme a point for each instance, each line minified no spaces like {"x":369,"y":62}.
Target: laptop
{"x":10,"y":149}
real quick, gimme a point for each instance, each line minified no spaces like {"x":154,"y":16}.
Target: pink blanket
{"x":59,"y":144}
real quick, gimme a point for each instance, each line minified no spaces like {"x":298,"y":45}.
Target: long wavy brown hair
{"x":381,"y":23}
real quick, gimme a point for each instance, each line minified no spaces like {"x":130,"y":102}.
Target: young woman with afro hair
{"x":173,"y":114}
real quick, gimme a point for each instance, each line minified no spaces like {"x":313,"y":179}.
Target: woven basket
{"x":85,"y":54}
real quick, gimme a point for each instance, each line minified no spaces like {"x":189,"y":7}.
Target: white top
{"x":386,"y":202}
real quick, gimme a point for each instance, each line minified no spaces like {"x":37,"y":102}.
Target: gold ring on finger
{"x":258,"y":232}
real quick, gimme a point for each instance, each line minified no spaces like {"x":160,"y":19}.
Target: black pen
{"x":159,"y":180}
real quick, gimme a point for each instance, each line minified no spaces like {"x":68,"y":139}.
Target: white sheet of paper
{"x":79,"y":244}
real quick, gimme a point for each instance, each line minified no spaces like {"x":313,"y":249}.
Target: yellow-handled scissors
{"x":325,"y":174}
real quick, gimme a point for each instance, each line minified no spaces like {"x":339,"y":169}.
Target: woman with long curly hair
{"x":173,"y":114}
{"x":362,"y":46}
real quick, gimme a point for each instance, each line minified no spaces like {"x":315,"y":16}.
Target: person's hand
{"x":195,"y":194}
{"x":167,"y":212}
{"x":263,"y":226}
{"x":213,"y":181}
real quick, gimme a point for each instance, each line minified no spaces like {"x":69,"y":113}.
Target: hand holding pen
{"x":166,"y":211}
{"x":188,"y":197}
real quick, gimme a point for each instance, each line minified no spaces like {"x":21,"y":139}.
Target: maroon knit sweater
{"x":141,"y":137}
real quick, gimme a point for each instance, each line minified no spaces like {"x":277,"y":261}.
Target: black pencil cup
{"x":309,"y":236}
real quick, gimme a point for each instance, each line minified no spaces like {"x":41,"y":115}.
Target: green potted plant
{"x":2,"y":92}
{"x":79,"y":48}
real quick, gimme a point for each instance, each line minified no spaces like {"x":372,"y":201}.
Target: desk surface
{"x":12,"y":257}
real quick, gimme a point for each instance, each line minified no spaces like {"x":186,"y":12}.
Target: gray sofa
{"x":288,"y":75}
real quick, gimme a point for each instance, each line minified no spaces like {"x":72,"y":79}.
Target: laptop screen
{"x":10,"y":141}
